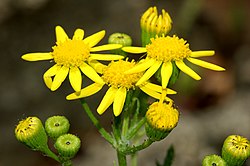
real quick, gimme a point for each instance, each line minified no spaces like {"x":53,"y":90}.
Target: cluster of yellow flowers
{"x":77,"y":56}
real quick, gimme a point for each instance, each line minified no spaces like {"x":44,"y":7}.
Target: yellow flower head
{"x":119,"y":83}
{"x":162,"y":52}
{"x":71,"y":57}
{"x":168,"y":49}
{"x":114,"y":75}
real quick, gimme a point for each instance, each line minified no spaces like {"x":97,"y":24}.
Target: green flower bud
{"x":67,"y":146}
{"x":213,"y":160}
{"x":235,"y":150}
{"x":30,"y":131}
{"x":161,"y":119}
{"x":120,"y":38}
{"x":56,"y":126}
{"x":152,"y":24}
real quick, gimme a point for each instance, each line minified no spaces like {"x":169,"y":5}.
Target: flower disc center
{"x":71,"y":53}
{"x":168,"y":49}
{"x":114,"y":75}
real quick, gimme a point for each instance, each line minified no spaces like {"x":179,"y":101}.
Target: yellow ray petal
{"x":37,"y":56}
{"x":196,"y":54}
{"x":147,"y":63}
{"x":78,"y":34}
{"x":150,"y":92}
{"x":91,"y":73}
{"x":205,"y":64}
{"x":166,"y":72}
{"x":135,"y":50}
{"x":158,"y":88}
{"x":151,"y":71}
{"x":61,"y":35}
{"x":99,"y":67}
{"x":106,"y":57}
{"x":75,"y":78}
{"x":107,"y":100}
{"x":47,"y":76}
{"x":85,"y":92}
{"x":106,"y":47}
{"x":119,"y":101}
{"x":183,"y":67}
{"x":155,"y":94}
{"x":59,"y":78}
{"x":95,"y":38}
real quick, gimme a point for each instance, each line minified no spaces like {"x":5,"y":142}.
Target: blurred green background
{"x":211,"y":109}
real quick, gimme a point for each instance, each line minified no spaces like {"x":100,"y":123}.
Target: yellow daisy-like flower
{"x":164,"y":50}
{"x":72,"y":56}
{"x":119,"y":83}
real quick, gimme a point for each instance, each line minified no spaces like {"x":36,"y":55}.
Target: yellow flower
{"x":162,"y":52}
{"x":71,"y":57}
{"x":119,"y":83}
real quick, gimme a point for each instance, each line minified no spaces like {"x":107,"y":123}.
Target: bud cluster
{"x":32,"y":133}
{"x":235,"y":151}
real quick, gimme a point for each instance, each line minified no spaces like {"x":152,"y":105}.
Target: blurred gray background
{"x":211,"y":109}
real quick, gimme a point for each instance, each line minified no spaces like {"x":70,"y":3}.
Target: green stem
{"x":134,"y":129}
{"x":132,"y":150}
{"x":121,"y":159}
{"x":52,"y":155}
{"x":125,"y":124}
{"x":134,"y":159}
{"x":117,"y":128}
{"x":96,"y":123}
{"x":135,"y":117}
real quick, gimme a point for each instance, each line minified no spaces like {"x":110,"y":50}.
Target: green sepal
{"x":155,"y":134}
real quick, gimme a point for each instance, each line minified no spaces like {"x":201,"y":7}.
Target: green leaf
{"x":168,"y":158}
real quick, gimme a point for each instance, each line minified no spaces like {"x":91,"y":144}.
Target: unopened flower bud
{"x":30,"y":131}
{"x":152,"y":24}
{"x":235,"y":150}
{"x":67,"y":146}
{"x":213,"y":160}
{"x":56,"y":126}
{"x":120,"y":38}
{"x":161,"y":118}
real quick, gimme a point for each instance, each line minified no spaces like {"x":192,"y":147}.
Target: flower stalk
{"x":96,"y":123}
